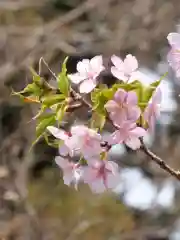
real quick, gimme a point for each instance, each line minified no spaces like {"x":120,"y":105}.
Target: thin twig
{"x":159,"y":161}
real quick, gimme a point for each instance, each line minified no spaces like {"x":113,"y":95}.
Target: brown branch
{"x":159,"y":161}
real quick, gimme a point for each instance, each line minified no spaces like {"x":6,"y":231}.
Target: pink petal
{"x":58,"y":133}
{"x":97,"y":186}
{"x":152,"y":122}
{"x":119,"y":117}
{"x":63,"y":163}
{"x":89,"y":152}
{"x":116,"y":138}
{"x":89,"y":174}
{"x":174,"y":61}
{"x":73,"y":144}
{"x":118,"y":74}
{"x":130,"y":64}
{"x":111,"y":106}
{"x":97,"y":64}
{"x":148,"y":111}
{"x":133,"y":114}
{"x":138,"y":132}
{"x":87,"y":86}
{"x":174,"y":39}
{"x":113,"y":181}
{"x":63,"y":150}
{"x":157,"y":96}
{"x":94,"y":135}
{"x":120,"y":96}
{"x":79,"y":130}
{"x":118,"y":63}
{"x":112,"y":166}
{"x":76,"y":78}
{"x":133,"y":142}
{"x":132,"y":98}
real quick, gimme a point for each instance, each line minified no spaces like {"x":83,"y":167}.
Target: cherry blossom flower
{"x":72,"y":172}
{"x":87,"y":73}
{"x":123,"y":107}
{"x":89,"y":141}
{"x":101,"y":175}
{"x":152,"y":111}
{"x":80,"y":139}
{"x":129,"y":134}
{"x":69,"y":145}
{"x":173,"y":56}
{"x":125,"y":70}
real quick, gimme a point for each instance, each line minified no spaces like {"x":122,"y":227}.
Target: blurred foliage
{"x":80,"y":214}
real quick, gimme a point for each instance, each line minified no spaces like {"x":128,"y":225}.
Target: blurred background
{"x":34,"y":203}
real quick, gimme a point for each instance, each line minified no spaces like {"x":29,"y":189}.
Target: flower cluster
{"x":129,"y":106}
{"x":124,"y":113}
{"x":98,"y":172}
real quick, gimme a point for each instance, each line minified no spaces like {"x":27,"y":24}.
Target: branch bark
{"x":160,"y":162}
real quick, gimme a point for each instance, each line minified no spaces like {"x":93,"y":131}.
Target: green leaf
{"x":51,"y":100}
{"x":36,"y":77}
{"x":108,"y":93}
{"x":63,"y":81}
{"x":61,"y":109}
{"x":45,"y":121}
{"x":94,"y":95}
{"x":98,"y":121}
{"x":55,"y":143}
{"x":99,"y":104}
{"x":32,"y":89}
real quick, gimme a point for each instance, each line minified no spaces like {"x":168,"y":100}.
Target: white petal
{"x":130,"y":64}
{"x":117,"y":61}
{"x":83,"y":67}
{"x":97,"y":64}
{"x":58,"y":133}
{"x":87,"y":86}
{"x":118,"y":74}
{"x":174,"y":39}
{"x":68,"y":178}
{"x":76,"y":78}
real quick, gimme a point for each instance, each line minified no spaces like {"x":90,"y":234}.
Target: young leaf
{"x":55,"y":143}
{"x":51,"y":100}
{"x":97,"y":121}
{"x":63,"y":81}
{"x":45,"y":121}
{"x":36,"y":77}
{"x":60,"y":112}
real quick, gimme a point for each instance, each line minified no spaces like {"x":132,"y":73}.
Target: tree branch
{"x":159,"y":161}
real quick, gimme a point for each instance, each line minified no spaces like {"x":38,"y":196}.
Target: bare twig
{"x":159,"y":161}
